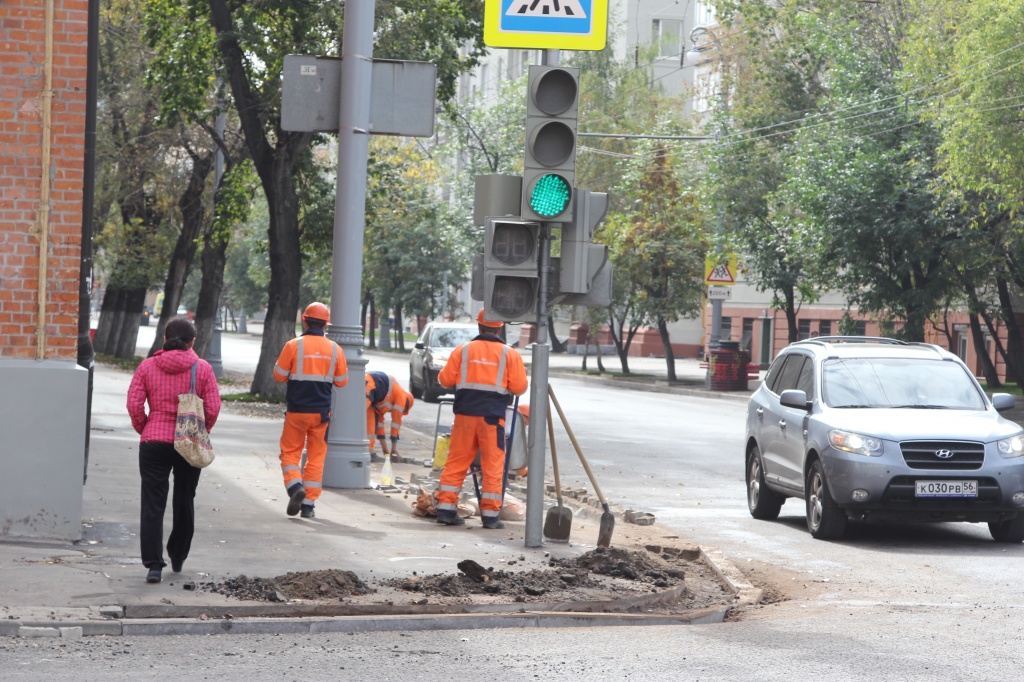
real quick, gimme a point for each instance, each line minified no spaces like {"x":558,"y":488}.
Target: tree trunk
{"x":275,"y":166}
{"x":373,"y":323}
{"x":118,"y":328}
{"x":585,"y":329}
{"x":790,"y":302}
{"x":1015,"y":352}
{"x":215,"y":249}
{"x":987,"y":367}
{"x":194,"y":217}
{"x":556,"y":345}
{"x":666,"y":342}
{"x":399,"y":335}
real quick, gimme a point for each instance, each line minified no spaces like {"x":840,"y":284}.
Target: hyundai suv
{"x":871,"y":429}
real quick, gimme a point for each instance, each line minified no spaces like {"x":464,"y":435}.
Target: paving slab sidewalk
{"x":96,"y":583}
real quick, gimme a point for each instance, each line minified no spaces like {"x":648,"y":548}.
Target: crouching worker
{"x":385,"y":396}
{"x":485,"y":373}
{"x":312,"y":365}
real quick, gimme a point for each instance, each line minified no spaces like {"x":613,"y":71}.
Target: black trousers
{"x":156,"y":462}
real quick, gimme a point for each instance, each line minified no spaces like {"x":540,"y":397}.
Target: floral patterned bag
{"x":191,"y":439}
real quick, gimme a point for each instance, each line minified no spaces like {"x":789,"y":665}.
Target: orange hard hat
{"x":317,"y":311}
{"x":487,"y":323}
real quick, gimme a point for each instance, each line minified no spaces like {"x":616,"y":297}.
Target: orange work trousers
{"x":309,"y":431}
{"x":469,"y":435}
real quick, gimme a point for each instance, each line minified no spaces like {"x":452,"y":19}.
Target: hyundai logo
{"x":943,"y":454}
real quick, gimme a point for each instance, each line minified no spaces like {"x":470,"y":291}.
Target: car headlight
{"x":438,"y":359}
{"x":855,"y":443}
{"x":1012,"y":446}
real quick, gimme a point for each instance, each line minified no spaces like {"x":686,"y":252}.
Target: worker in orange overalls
{"x":384,"y":396}
{"x":486,"y":373}
{"x":312,"y":365}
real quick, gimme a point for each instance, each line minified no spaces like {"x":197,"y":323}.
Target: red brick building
{"x":42,"y":135}
{"x":43,"y":409}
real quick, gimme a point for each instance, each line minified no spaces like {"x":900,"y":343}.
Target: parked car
{"x":870,"y":429}
{"x":431,"y":351}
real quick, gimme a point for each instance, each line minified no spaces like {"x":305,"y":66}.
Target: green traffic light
{"x":550,"y":195}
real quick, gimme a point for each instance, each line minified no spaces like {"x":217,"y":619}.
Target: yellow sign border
{"x":596,"y":40}
{"x":730,"y":260}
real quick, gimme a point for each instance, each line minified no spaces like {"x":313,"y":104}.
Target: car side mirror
{"x":795,"y":398}
{"x":1003,"y":402}
{"x":419,"y":345}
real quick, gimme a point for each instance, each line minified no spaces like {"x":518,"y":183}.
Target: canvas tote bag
{"x":191,"y":439}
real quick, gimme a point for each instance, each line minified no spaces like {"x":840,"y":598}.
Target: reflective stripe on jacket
{"x":311,"y":364}
{"x":485,"y":373}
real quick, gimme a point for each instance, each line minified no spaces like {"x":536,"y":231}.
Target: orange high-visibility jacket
{"x":312,"y":365}
{"x":485,"y":373}
{"x":397,"y":402}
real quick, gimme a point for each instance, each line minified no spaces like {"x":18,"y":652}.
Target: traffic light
{"x":580,"y":259}
{"x":549,"y":165}
{"x":510,"y":269}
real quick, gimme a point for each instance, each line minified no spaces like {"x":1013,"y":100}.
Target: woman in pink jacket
{"x":158,"y":381}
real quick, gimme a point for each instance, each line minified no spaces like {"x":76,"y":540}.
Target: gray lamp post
{"x":704,"y":40}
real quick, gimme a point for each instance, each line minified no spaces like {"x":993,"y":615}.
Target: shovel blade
{"x":604,"y":534}
{"x":557,"y":524}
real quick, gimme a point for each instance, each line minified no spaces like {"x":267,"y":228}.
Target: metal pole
{"x":213,"y":353}
{"x":348,"y":459}
{"x":536,"y":457}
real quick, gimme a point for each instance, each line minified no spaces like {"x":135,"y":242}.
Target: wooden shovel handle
{"x":575,"y":444}
{"x":554,"y":457}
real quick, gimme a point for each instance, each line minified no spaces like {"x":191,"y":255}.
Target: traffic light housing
{"x":510,"y":269}
{"x":549,"y":164}
{"x":580,"y":259}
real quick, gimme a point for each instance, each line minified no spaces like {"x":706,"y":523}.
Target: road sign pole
{"x":347,"y":464}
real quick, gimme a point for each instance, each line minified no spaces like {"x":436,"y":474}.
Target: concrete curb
{"x":288,"y":619}
{"x":654,"y":385}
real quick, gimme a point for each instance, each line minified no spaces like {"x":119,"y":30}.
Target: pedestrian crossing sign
{"x":720,"y":270}
{"x":546,"y":24}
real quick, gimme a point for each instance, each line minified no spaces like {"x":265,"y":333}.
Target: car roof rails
{"x":854,"y":339}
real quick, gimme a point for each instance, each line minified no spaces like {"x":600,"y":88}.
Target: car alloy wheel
{"x":763,"y":502}
{"x":825,"y":519}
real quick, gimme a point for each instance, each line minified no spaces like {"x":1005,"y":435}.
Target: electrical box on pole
{"x":549,"y":163}
{"x":511,"y":276}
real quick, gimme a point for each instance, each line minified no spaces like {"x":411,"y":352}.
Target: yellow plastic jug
{"x":441,"y":450}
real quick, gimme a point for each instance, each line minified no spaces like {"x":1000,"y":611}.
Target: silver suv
{"x":870,"y":429}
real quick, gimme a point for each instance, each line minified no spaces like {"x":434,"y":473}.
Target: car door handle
{"x":782,"y":424}
{"x":760,"y":413}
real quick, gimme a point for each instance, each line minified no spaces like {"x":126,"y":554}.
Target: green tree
{"x":410,"y":247}
{"x":250,"y":42}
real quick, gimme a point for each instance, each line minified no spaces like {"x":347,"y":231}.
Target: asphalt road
{"x":895,"y":602}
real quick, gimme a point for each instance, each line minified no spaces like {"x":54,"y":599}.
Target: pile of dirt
{"x":329,"y":585}
{"x":603,"y":574}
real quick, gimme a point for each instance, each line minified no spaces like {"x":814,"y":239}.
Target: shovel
{"x":604,"y":534}
{"x":559,"y":519}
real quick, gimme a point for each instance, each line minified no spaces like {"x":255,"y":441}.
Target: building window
{"x":704,"y":13}
{"x":748,"y":333}
{"x":667,"y":34}
{"x":825,"y":327}
{"x":803,"y":330}
{"x":725,"y":333}
{"x":859,"y":328}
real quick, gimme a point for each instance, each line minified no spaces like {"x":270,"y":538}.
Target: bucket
{"x":441,"y":450}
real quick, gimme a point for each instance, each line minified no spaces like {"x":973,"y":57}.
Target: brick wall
{"x":22,"y":58}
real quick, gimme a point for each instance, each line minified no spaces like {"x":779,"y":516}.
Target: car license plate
{"x":946,"y":488}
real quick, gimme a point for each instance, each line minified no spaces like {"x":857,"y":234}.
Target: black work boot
{"x":451,"y":519}
{"x":493,"y":522}
{"x":296,"y":494}
{"x":307,"y":512}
